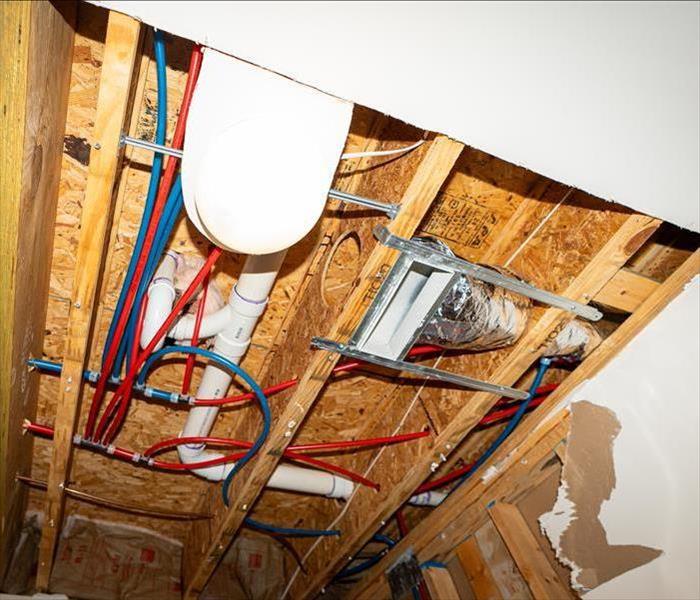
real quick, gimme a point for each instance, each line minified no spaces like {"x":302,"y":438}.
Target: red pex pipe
{"x":163,"y":191}
{"x":494,"y":417}
{"x":279,"y":387}
{"x":131,"y":456}
{"x":174,"y":442}
{"x":145,"y":353}
{"x":189,"y":365}
{"x":489,"y":419}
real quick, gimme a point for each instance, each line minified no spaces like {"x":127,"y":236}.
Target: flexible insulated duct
{"x":476,"y":315}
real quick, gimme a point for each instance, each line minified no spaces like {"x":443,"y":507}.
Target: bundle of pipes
{"x":149,"y":306}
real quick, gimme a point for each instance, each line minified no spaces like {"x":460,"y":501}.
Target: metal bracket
{"x":445,"y":262}
{"x":391,"y":210}
{"x":424,"y":372}
{"x":127,"y":140}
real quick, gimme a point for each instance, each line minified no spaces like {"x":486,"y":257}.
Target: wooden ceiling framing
{"x":487,"y":210}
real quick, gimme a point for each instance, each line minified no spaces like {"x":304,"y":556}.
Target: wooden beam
{"x":626,"y":291}
{"x":440,"y":584}
{"x":463,"y":512}
{"x":120,"y":52}
{"x":527,"y":553}
{"x":34,"y":87}
{"x":477,"y":571}
{"x":365,"y":514}
{"x":425,"y":184}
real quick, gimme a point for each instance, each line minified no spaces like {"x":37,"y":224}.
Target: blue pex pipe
{"x":234,"y":368}
{"x":290,"y":531}
{"x":512,"y":424}
{"x":169,"y":217}
{"x":370,"y":562}
{"x":161,"y":126}
{"x":92,"y":376}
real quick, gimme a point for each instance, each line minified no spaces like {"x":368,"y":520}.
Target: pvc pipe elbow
{"x":211,"y":325}
{"x":160,"y":299}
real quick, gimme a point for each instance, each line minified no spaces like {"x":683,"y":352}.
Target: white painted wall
{"x":603,"y":96}
{"x":653,"y":388}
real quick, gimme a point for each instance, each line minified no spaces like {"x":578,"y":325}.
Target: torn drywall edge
{"x":587,"y":481}
{"x":554,"y":523}
{"x":655,"y":455}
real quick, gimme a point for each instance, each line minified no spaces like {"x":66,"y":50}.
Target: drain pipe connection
{"x":233,"y":326}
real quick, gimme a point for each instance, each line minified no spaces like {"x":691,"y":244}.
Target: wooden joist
{"x":36,"y":45}
{"x":626,"y":291}
{"x":527,"y":553}
{"x":365,"y":513}
{"x":440,"y":584}
{"x":477,"y":571}
{"x":122,"y":42}
{"x":209,"y":543}
{"x":523,"y":453}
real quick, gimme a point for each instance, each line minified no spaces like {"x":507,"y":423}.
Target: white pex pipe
{"x":233,"y":326}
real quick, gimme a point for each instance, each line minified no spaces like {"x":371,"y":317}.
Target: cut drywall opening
{"x":588,"y":479}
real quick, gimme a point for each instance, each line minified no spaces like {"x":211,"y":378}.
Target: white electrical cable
{"x":349,"y":155}
{"x":365,"y":474}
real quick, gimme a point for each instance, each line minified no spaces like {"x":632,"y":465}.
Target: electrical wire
{"x":350,"y":155}
{"x":114,"y":505}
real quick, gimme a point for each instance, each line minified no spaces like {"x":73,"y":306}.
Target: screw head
{"x":97,"y":145}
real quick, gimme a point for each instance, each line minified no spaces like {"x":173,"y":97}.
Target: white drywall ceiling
{"x":652,"y":386}
{"x":601,"y":96}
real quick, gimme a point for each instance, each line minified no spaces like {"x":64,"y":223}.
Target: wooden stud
{"x":626,"y":291}
{"x":120,"y":53}
{"x":423,"y":188}
{"x":527,"y":553}
{"x":477,"y":571}
{"x":499,"y":561}
{"x":534,"y":441}
{"x":34,"y":98}
{"x":440,"y":584}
